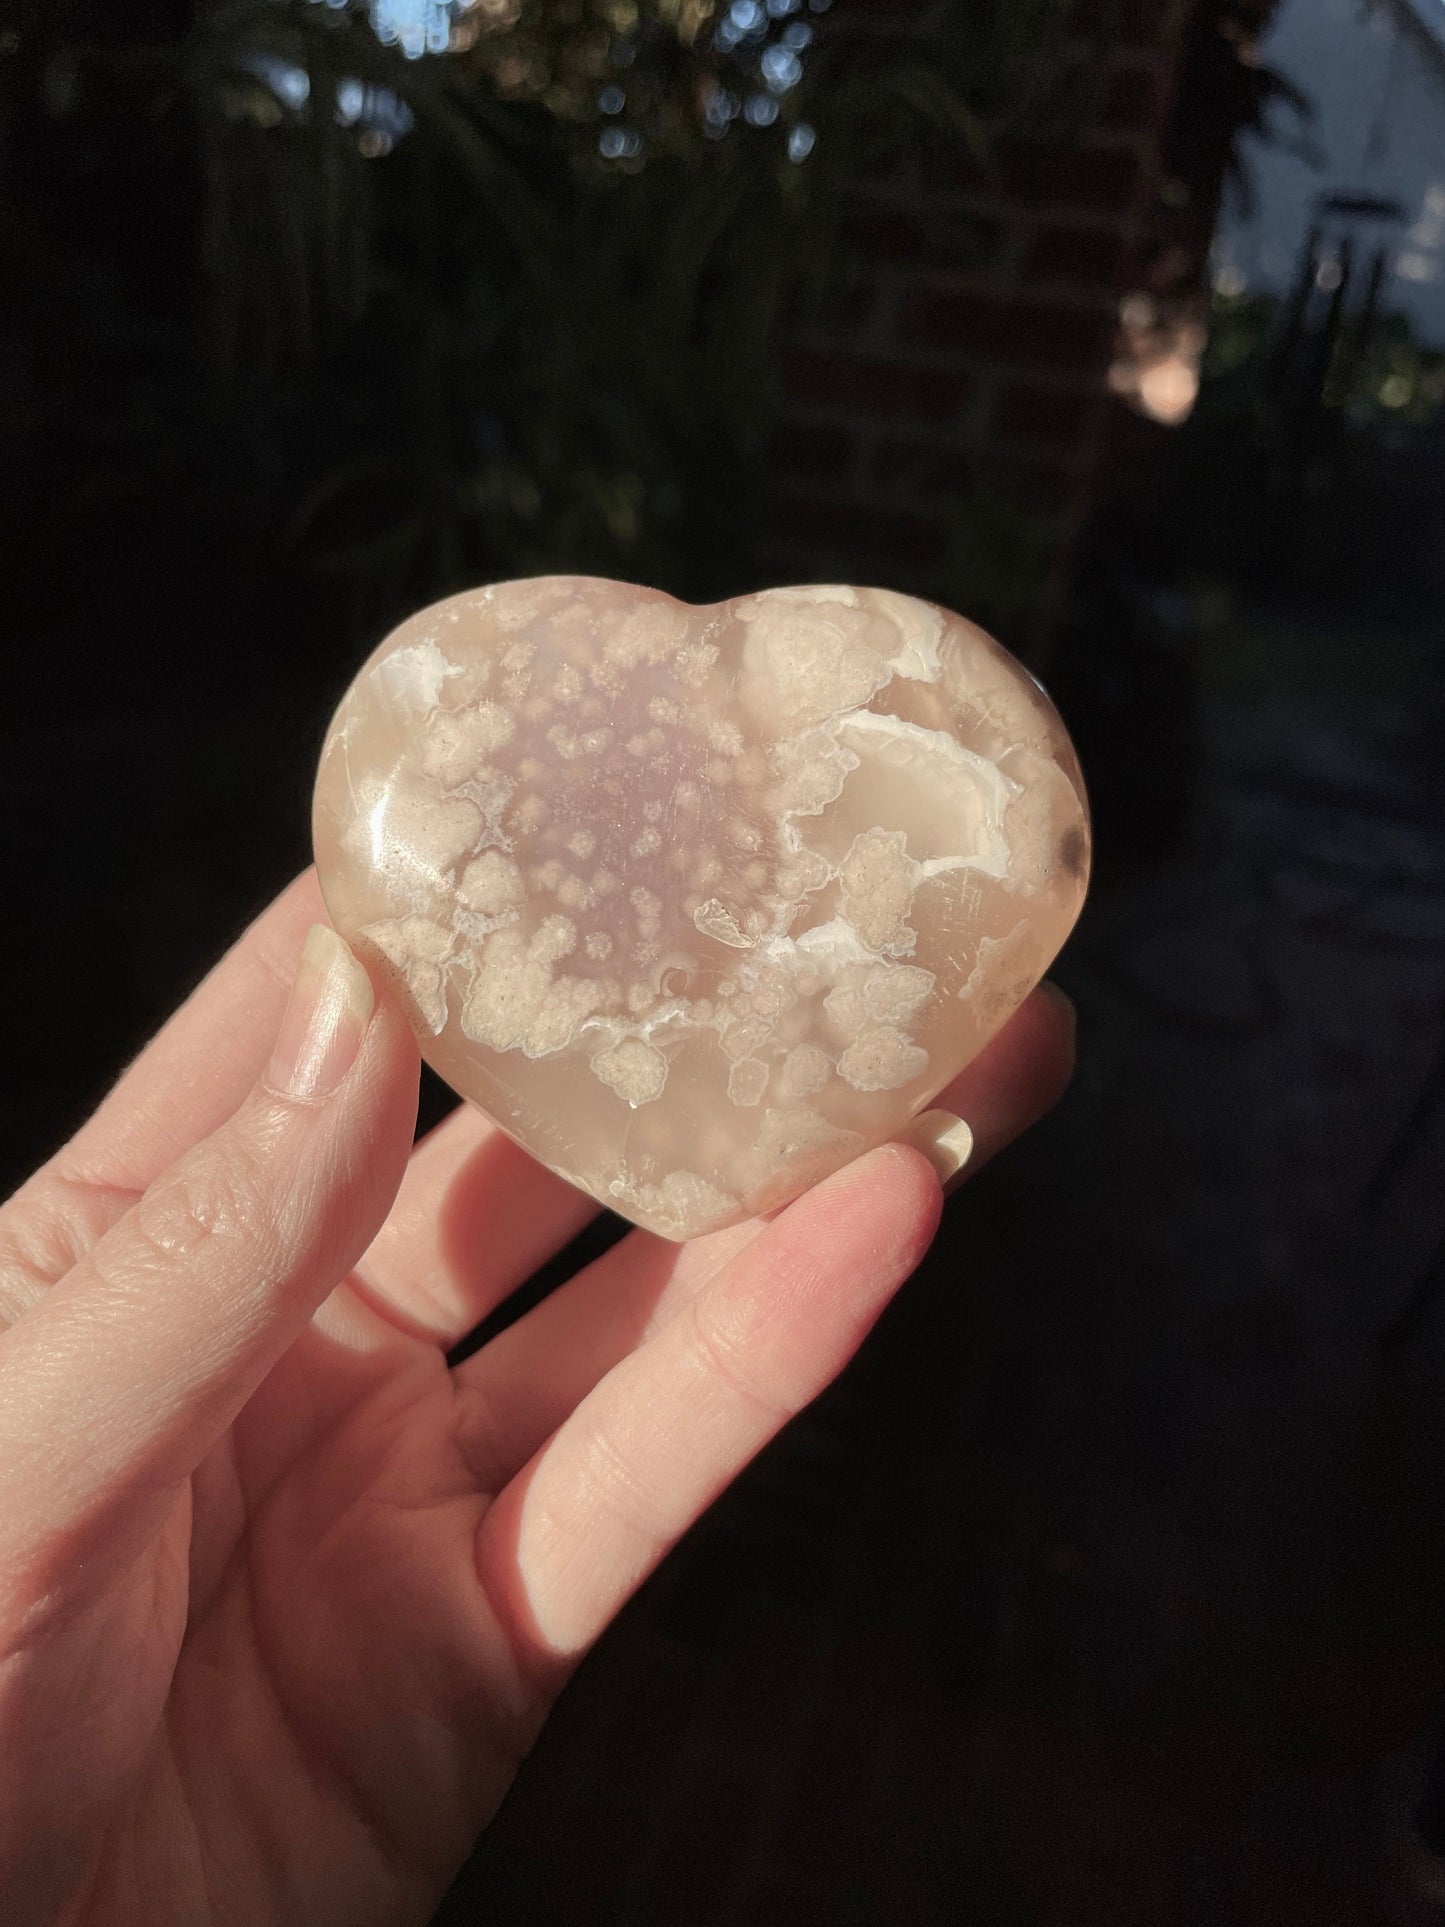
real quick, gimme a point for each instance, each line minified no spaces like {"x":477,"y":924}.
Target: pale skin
{"x":284,"y":1601}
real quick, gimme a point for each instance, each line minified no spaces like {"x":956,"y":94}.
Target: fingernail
{"x":945,"y":1140}
{"x":326,"y":1017}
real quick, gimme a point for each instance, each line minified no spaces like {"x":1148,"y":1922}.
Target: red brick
{"x":842,"y":314}
{"x":1091,"y":257}
{"x":1044,"y":417}
{"x":1132,"y":100}
{"x":1023,"y":334}
{"x":854,"y":526}
{"x":1092,"y":177}
{"x":1141,"y":23}
{"x":871,"y":385}
{"x":1121,"y":96}
{"x":960,"y":243}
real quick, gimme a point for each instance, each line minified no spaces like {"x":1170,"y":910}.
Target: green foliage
{"x":1380,"y":375}
{"x":407,"y":356}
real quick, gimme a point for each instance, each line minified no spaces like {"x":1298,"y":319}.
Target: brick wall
{"x":944,"y":431}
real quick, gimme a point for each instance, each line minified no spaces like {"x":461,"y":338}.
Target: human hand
{"x":283,"y":1599}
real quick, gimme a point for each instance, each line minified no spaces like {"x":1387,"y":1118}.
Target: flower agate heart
{"x":699,"y":903}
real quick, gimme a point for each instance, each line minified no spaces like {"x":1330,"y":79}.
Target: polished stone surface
{"x":699,"y":903}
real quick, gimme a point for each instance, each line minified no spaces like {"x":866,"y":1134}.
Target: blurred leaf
{"x":405,"y":323}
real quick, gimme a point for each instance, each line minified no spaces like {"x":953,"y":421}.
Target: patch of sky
{"x":619,"y":144}
{"x":780,"y":68}
{"x":376,"y":110}
{"x":417,"y":27}
{"x":290,"y":84}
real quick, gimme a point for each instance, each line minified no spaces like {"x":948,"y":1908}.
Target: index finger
{"x":652,"y":1445}
{"x":191,"y":1076}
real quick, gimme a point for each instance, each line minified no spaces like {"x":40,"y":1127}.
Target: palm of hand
{"x":317,"y":1707}
{"x":318,"y":1650}
{"x":281,"y":1610}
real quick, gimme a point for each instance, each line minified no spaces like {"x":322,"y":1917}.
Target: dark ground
{"x":1107,"y":1585}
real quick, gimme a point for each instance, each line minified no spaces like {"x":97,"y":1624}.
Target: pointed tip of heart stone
{"x":699,"y":903}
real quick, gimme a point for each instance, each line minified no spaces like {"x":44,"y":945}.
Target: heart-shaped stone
{"x":699,"y":903}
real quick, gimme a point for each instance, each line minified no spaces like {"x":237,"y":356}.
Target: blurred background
{"x":1109,"y":1584}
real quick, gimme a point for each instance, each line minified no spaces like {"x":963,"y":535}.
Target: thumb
{"x":119,"y":1382}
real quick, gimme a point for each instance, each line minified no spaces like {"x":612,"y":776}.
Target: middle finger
{"x":520,"y":1387}
{"x":474,"y":1218}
